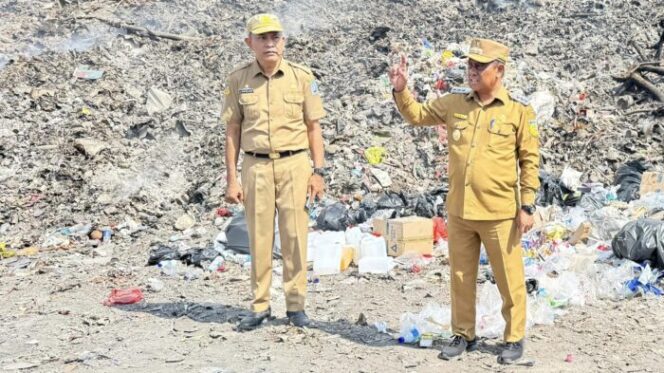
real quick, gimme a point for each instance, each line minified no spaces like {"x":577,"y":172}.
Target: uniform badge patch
{"x":532,"y":128}
{"x":246,"y":90}
{"x":456,"y":135}
{"x":314,"y":88}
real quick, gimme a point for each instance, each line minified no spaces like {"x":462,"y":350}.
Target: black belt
{"x":276,"y":155}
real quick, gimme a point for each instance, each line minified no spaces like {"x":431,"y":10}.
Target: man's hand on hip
{"x":316,"y":188}
{"x":234,"y":193}
{"x":525,"y":221}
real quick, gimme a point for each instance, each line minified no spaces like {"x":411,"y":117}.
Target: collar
{"x":255,"y":69}
{"x":502,"y":96}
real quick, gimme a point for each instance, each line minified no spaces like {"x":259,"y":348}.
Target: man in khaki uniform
{"x":493,"y":175}
{"x":272,"y":109}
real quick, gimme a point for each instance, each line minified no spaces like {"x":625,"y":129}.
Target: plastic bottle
{"x":412,"y":336}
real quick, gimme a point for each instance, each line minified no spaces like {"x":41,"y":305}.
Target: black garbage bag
{"x":161,"y":253}
{"x":198,"y":255}
{"x":333,"y":218}
{"x":355,"y":217}
{"x":390,"y":200}
{"x":628,"y":176}
{"x":237,"y":237}
{"x":368,"y":205}
{"x":641,"y":240}
{"x":550,"y":192}
{"x":236,"y":234}
{"x":423,"y":205}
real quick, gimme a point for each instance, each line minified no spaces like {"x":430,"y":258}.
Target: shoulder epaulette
{"x":460,"y":90}
{"x":241,"y":66}
{"x":519,"y":98}
{"x":301,"y":67}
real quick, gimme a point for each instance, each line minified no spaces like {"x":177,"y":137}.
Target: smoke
{"x":303,"y":15}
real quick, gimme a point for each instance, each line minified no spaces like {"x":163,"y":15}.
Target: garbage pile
{"x":101,"y":117}
{"x":592,"y":247}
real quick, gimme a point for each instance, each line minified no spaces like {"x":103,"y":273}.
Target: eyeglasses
{"x":474,"y":65}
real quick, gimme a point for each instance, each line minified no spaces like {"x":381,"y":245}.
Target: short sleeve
{"x":313,"y":103}
{"x":231,"y":112}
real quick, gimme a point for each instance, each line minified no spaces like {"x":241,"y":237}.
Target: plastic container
{"x":372,"y":247}
{"x":321,"y":241}
{"x":328,"y":259}
{"x":353,"y":237}
{"x":347,"y":255}
{"x":375,"y":265}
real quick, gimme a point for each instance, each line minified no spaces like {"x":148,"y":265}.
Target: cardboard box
{"x":410,"y":234}
{"x":652,"y":182}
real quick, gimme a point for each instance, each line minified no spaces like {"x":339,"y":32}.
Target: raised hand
{"x":398,"y":74}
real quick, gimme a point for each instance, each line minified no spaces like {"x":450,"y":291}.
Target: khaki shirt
{"x":272,"y":111}
{"x":487,"y":146}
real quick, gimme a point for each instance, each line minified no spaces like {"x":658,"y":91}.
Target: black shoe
{"x":298,"y":318}
{"x":457,"y":347}
{"x":512,"y":352}
{"x":253,"y":320}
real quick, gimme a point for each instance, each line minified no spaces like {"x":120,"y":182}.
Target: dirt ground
{"x":53,"y":320}
{"x":152,"y":169}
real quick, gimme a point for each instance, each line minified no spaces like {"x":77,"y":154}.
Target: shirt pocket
{"x":502,"y":135}
{"x":293,"y":102}
{"x":460,"y":132}
{"x":249,"y":103}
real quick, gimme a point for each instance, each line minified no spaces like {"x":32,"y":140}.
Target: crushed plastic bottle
{"x":411,"y":336}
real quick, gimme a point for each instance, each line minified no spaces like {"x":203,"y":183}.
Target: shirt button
{"x":472,"y":145}
{"x":468,"y":163}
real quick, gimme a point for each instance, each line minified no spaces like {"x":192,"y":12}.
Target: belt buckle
{"x":274,"y":155}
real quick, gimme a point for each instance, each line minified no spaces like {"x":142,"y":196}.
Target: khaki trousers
{"x":280,"y":185}
{"x":502,"y":241}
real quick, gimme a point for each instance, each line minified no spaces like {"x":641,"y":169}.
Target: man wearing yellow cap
{"x":272,"y":109}
{"x":493,"y":176}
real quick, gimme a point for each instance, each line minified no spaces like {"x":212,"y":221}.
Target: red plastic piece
{"x":124,"y":296}
{"x":439,"y":229}
{"x":224,"y":212}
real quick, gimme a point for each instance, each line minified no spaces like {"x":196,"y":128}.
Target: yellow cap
{"x":485,"y":51}
{"x":262,"y":23}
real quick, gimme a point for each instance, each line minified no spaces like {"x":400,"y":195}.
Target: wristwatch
{"x":529,"y":209}
{"x":321,"y":171}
